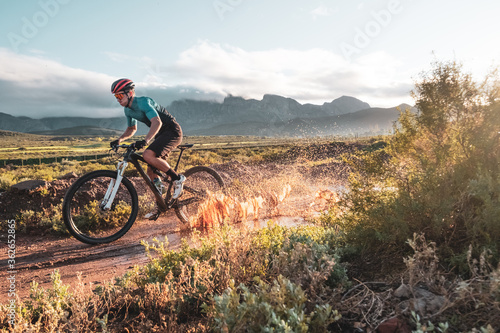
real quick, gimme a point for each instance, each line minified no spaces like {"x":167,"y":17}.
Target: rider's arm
{"x":153,"y":129}
{"x":129,"y":132}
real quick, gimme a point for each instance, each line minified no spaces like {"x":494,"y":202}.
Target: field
{"x":392,"y":234}
{"x":18,"y":145}
{"x":33,"y":149}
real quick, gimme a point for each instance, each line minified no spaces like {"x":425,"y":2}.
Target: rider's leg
{"x":157,"y":153}
{"x":159,"y":163}
{"x":160,"y":149}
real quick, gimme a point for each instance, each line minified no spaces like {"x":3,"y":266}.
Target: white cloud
{"x":310,"y":76}
{"x":38,"y":87}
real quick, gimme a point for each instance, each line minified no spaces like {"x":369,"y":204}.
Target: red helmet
{"x":122,"y":85}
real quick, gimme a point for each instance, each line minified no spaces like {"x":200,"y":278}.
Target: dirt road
{"x":38,"y":256}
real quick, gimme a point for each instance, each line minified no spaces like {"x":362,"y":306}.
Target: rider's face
{"x":123,"y":97}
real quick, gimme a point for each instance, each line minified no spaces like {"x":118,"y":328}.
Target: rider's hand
{"x":140,"y":144}
{"x":113,"y":144}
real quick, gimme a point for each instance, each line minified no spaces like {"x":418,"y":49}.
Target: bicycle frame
{"x":134,"y":158}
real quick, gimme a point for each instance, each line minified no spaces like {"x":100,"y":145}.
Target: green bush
{"x":282,"y":273}
{"x":45,"y":308}
{"x":276,"y":307}
{"x":438,"y":175}
{"x":49,"y":172}
{"x":48,"y":218}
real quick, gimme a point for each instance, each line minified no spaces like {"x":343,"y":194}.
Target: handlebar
{"x":130,"y":148}
{"x":115,"y":147}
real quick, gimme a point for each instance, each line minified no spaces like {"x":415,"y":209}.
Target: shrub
{"x":302,"y":255}
{"x":6,"y":181}
{"x":45,"y":308}
{"x":439,"y":174}
{"x":284,"y":269}
{"x":48,"y":218}
{"x":276,"y":307}
{"x":471,"y":302}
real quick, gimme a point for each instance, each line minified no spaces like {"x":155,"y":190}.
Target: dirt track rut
{"x":38,"y":256}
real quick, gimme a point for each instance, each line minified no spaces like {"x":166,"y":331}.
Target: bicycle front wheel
{"x":87,"y":214}
{"x":200,"y":182}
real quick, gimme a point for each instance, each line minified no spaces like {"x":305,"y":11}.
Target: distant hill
{"x":272,"y":116}
{"x":30,"y":125}
{"x":202,"y":115}
{"x":11,"y":134}
{"x":81,"y":130}
{"x":368,"y":121}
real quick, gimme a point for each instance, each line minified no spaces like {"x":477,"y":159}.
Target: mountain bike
{"x":101,"y":206}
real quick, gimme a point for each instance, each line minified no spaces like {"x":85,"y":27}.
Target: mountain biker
{"x":164,"y":135}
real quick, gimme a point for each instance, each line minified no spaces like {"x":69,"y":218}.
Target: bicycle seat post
{"x":182,"y":148}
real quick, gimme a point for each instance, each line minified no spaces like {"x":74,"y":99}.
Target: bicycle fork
{"x":113,"y":186}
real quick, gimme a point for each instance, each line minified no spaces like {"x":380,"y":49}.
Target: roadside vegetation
{"x":413,"y":243}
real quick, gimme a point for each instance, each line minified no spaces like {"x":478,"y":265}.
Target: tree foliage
{"x":439,"y":173}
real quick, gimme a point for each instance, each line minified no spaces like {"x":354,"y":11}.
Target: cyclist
{"x":165,"y":134}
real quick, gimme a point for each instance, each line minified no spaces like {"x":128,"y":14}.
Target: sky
{"x":59,"y":57}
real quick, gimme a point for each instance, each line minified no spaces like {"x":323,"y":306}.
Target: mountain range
{"x":272,"y":116}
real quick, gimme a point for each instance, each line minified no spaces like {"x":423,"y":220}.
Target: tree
{"x":442,"y":177}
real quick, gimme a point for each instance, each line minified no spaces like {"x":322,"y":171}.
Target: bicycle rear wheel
{"x":200,"y":181}
{"x":84,"y":213}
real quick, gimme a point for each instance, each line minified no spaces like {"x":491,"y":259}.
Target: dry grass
{"x":429,"y":294}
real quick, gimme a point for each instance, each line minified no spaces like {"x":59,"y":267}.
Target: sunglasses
{"x":120,"y":95}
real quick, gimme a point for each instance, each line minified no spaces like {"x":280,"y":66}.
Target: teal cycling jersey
{"x":144,"y":109}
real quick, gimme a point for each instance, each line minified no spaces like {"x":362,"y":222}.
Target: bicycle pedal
{"x":155,"y":216}
{"x":152,"y":216}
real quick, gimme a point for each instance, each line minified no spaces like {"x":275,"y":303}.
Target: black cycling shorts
{"x":166,"y":141}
